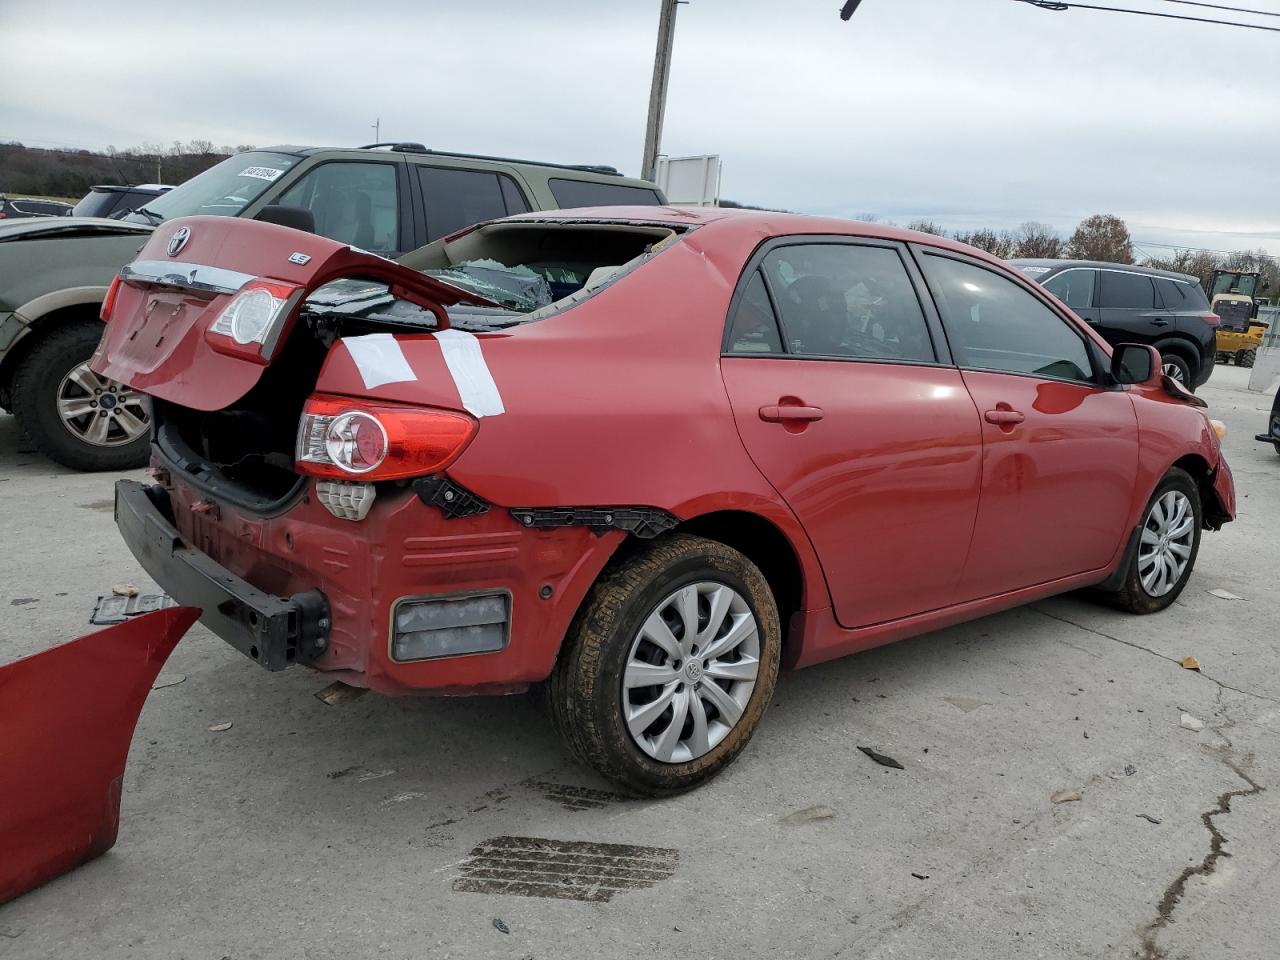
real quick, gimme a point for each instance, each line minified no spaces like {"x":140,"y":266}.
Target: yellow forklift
{"x":1232,"y":294}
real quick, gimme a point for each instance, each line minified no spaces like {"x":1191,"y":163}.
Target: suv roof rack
{"x":412,"y":147}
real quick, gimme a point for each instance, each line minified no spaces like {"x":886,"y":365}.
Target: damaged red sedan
{"x":647,"y":456}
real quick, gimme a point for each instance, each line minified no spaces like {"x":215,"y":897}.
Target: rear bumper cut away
{"x":276,"y":632}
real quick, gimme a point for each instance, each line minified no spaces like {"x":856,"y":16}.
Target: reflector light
{"x":109,"y":302}
{"x":342,"y":438}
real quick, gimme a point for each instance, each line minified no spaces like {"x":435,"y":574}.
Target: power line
{"x":1055,"y":6}
{"x":1223,"y":253}
{"x":1218,"y":6}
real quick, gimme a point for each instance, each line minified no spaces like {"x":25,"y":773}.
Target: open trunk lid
{"x":198,"y":317}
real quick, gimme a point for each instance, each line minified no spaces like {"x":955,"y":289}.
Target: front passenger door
{"x":1060,"y":452}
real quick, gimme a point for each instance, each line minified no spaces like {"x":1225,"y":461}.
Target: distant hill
{"x":70,"y":173}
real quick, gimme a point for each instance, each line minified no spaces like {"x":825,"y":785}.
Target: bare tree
{"x":1000,"y":244}
{"x":1038,"y":240}
{"x":1197,"y":263}
{"x":923,"y":225}
{"x":1102,"y":237}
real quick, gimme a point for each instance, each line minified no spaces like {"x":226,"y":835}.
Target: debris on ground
{"x":1192,"y":723}
{"x":809,"y":814}
{"x":219,"y":727}
{"x":921,"y":876}
{"x":117,"y":608}
{"x":124,"y":590}
{"x":1225,"y":594}
{"x":23,"y":601}
{"x":500,"y":926}
{"x":1189,"y":663}
{"x":338,"y":693}
{"x":967,"y":704}
{"x":1149,"y":818}
{"x":168,"y":680}
{"x":1130,"y":770}
{"x":1065,"y":796}
{"x":882,"y":759}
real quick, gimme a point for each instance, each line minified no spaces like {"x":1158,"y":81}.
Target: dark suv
{"x":1128,"y":304}
{"x":113,"y":202}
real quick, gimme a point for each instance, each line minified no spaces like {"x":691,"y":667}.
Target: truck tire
{"x":73,"y":416}
{"x":668,"y":666}
{"x":1245,"y":358}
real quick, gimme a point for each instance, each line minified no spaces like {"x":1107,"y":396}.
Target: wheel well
{"x":13,"y":359}
{"x":1211,"y":510}
{"x":764,"y":545}
{"x":1183,"y":348}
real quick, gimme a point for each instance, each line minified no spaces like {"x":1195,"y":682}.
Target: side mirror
{"x":1135,"y":363}
{"x":299,"y":218}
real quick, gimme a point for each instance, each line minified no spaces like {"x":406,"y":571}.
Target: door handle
{"x":1159,"y":322}
{"x":1003,"y":417}
{"x":782,"y":414}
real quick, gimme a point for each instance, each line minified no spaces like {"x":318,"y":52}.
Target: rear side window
{"x":585,"y":193}
{"x":1127,"y":291}
{"x":353,"y":202}
{"x":1181,"y":296}
{"x":1073,"y":287}
{"x":994,"y":324}
{"x":849,"y":301}
{"x":755,"y":326}
{"x":458,"y":198}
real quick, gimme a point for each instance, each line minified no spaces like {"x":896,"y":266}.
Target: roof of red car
{"x":766,"y":221}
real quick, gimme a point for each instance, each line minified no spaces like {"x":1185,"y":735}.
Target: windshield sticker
{"x":463,"y":357}
{"x":379,"y":359}
{"x":261,"y":173}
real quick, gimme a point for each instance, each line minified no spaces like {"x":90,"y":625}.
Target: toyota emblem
{"x":178,"y":240}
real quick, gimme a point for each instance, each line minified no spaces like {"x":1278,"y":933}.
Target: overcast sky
{"x":970,"y":112}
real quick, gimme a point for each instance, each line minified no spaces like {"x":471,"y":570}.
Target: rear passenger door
{"x":845,"y":399}
{"x":1129,"y":310}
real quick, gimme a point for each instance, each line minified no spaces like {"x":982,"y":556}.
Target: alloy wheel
{"x":98,"y":411}
{"x":1167,"y":538}
{"x":690,"y":672}
{"x":1172,"y":371}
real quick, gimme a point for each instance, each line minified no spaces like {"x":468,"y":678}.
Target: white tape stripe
{"x":463,"y":357}
{"x":379,"y":359}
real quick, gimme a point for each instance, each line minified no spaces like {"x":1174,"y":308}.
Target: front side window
{"x":458,"y":198}
{"x":353,"y":202}
{"x":850,"y":301}
{"x":1127,"y":291}
{"x":1073,"y":287}
{"x":993,"y":324}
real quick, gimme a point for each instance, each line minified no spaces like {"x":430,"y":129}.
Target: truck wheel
{"x":1167,"y":546}
{"x":1176,"y":368}
{"x":1245,"y":358}
{"x":71,"y":414}
{"x":669,"y":666}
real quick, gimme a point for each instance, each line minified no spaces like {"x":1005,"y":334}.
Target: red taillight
{"x":1212,"y":319}
{"x":250,"y":324}
{"x":344,"y":439}
{"x":109,"y":303}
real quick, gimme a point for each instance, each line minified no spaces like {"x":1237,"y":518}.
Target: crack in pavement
{"x":1173,"y":894}
{"x":1155,"y":653}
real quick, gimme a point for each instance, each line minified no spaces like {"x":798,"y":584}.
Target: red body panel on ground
{"x":66,"y":718}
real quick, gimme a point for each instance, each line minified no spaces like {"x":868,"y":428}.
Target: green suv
{"x":384,"y":198}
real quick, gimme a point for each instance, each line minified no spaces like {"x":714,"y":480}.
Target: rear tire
{"x":1177,"y":368}
{"x":615,"y":723}
{"x":1245,"y":358}
{"x":1167,"y":549}
{"x":44,"y":388}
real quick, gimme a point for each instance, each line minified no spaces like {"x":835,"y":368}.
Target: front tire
{"x":1245,"y":358}
{"x":72,"y":415}
{"x":669,"y":666}
{"x":1167,"y":546}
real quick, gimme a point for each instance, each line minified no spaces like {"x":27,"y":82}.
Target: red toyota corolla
{"x":646,"y":455}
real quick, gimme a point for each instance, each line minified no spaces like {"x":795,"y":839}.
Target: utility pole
{"x":658,"y":92}
{"x":377,"y":130}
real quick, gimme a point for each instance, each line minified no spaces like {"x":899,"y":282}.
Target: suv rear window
{"x":586,"y":193}
{"x":1181,"y":296}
